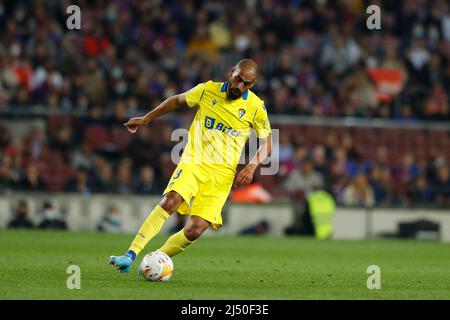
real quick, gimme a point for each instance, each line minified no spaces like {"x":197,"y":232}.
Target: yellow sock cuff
{"x":183,"y":239}
{"x":160,"y":212}
{"x":150,"y":228}
{"x":176,"y":243}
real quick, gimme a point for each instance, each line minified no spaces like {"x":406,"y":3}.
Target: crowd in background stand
{"x":143,"y":166}
{"x":314,"y":55}
{"x":51,"y":218}
{"x":130,"y":55}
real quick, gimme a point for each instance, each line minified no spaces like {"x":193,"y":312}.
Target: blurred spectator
{"x":80,"y":183}
{"x":382,"y":156}
{"x":358,"y":192}
{"x":220,"y":33}
{"x":104,"y":180}
{"x":6,"y":183}
{"x":343,"y":164}
{"x":331,"y":143}
{"x":441,"y":187}
{"x":348,"y":144}
{"x":408,"y":170}
{"x":20,"y":219}
{"x":147,"y":183}
{"x":5,"y":136}
{"x":252,"y":193}
{"x":260,"y":228}
{"x":319,"y":160}
{"x":111,"y":221}
{"x":286,"y":149}
{"x":392,"y":60}
{"x":51,"y":218}
{"x":142,"y":149}
{"x":201,"y":45}
{"x":83,"y":156}
{"x":381,"y":183}
{"x":303,"y":180}
{"x":321,"y":207}
{"x":339,"y":52}
{"x":31,"y":181}
{"x":63,"y":141}
{"x":123,"y":183}
{"x":420,"y":192}
{"x":35,"y":143}
{"x":437,"y":105}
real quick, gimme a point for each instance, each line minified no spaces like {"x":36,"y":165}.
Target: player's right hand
{"x":133,"y":124}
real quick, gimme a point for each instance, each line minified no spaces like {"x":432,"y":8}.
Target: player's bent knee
{"x":195,"y":227}
{"x":170,"y":202}
{"x":193,"y":233}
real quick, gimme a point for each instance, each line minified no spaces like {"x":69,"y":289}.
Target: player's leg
{"x":193,"y":229}
{"x":150,"y":228}
{"x":155,"y":220}
{"x":206,"y":210}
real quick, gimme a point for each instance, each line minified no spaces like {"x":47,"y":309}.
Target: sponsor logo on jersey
{"x":210,"y":123}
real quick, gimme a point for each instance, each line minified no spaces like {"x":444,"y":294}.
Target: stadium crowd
{"x":316,"y":58}
{"x":315,"y":55}
{"x":106,"y":159}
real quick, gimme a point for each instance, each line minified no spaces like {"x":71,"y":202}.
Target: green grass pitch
{"x":34,"y":263}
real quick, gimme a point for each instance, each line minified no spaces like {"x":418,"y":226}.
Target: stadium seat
{"x":97,"y":136}
{"x":52,"y":156}
{"x":438,"y":138}
{"x":120,"y":138}
{"x":56,"y":176}
{"x":364,"y":135}
{"x":56,"y":121}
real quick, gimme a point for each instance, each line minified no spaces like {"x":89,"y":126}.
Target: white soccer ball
{"x":156,"y":266}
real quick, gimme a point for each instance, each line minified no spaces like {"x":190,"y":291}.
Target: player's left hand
{"x":243,"y":177}
{"x":133,"y":124}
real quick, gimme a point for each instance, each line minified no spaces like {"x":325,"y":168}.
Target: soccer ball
{"x":156,"y":266}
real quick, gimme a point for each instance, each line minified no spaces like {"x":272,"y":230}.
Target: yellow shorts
{"x":203,"y":190}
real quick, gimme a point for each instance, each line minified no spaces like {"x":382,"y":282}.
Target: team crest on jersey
{"x":214,"y":101}
{"x":241,"y":113}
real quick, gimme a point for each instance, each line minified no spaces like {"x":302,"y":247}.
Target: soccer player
{"x":201,"y":183}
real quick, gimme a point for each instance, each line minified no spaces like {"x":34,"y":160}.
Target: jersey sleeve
{"x":261,"y":123}
{"x":194,"y":95}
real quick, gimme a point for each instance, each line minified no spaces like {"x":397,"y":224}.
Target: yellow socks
{"x":149,"y":229}
{"x":175,"y":244}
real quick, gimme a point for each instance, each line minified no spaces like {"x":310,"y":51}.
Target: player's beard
{"x":233,"y":95}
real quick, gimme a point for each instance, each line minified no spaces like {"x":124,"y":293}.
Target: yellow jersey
{"x":222,"y":126}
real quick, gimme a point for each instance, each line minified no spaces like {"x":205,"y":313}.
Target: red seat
{"x":438,"y":138}
{"x":56,"y":176}
{"x":52,"y":157}
{"x":120,"y":138}
{"x":55,"y":122}
{"x":97,"y":137}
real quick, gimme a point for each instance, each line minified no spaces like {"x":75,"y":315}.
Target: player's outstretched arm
{"x":246,"y":174}
{"x":166,"y":106}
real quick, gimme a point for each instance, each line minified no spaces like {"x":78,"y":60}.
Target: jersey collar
{"x":224,"y":89}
